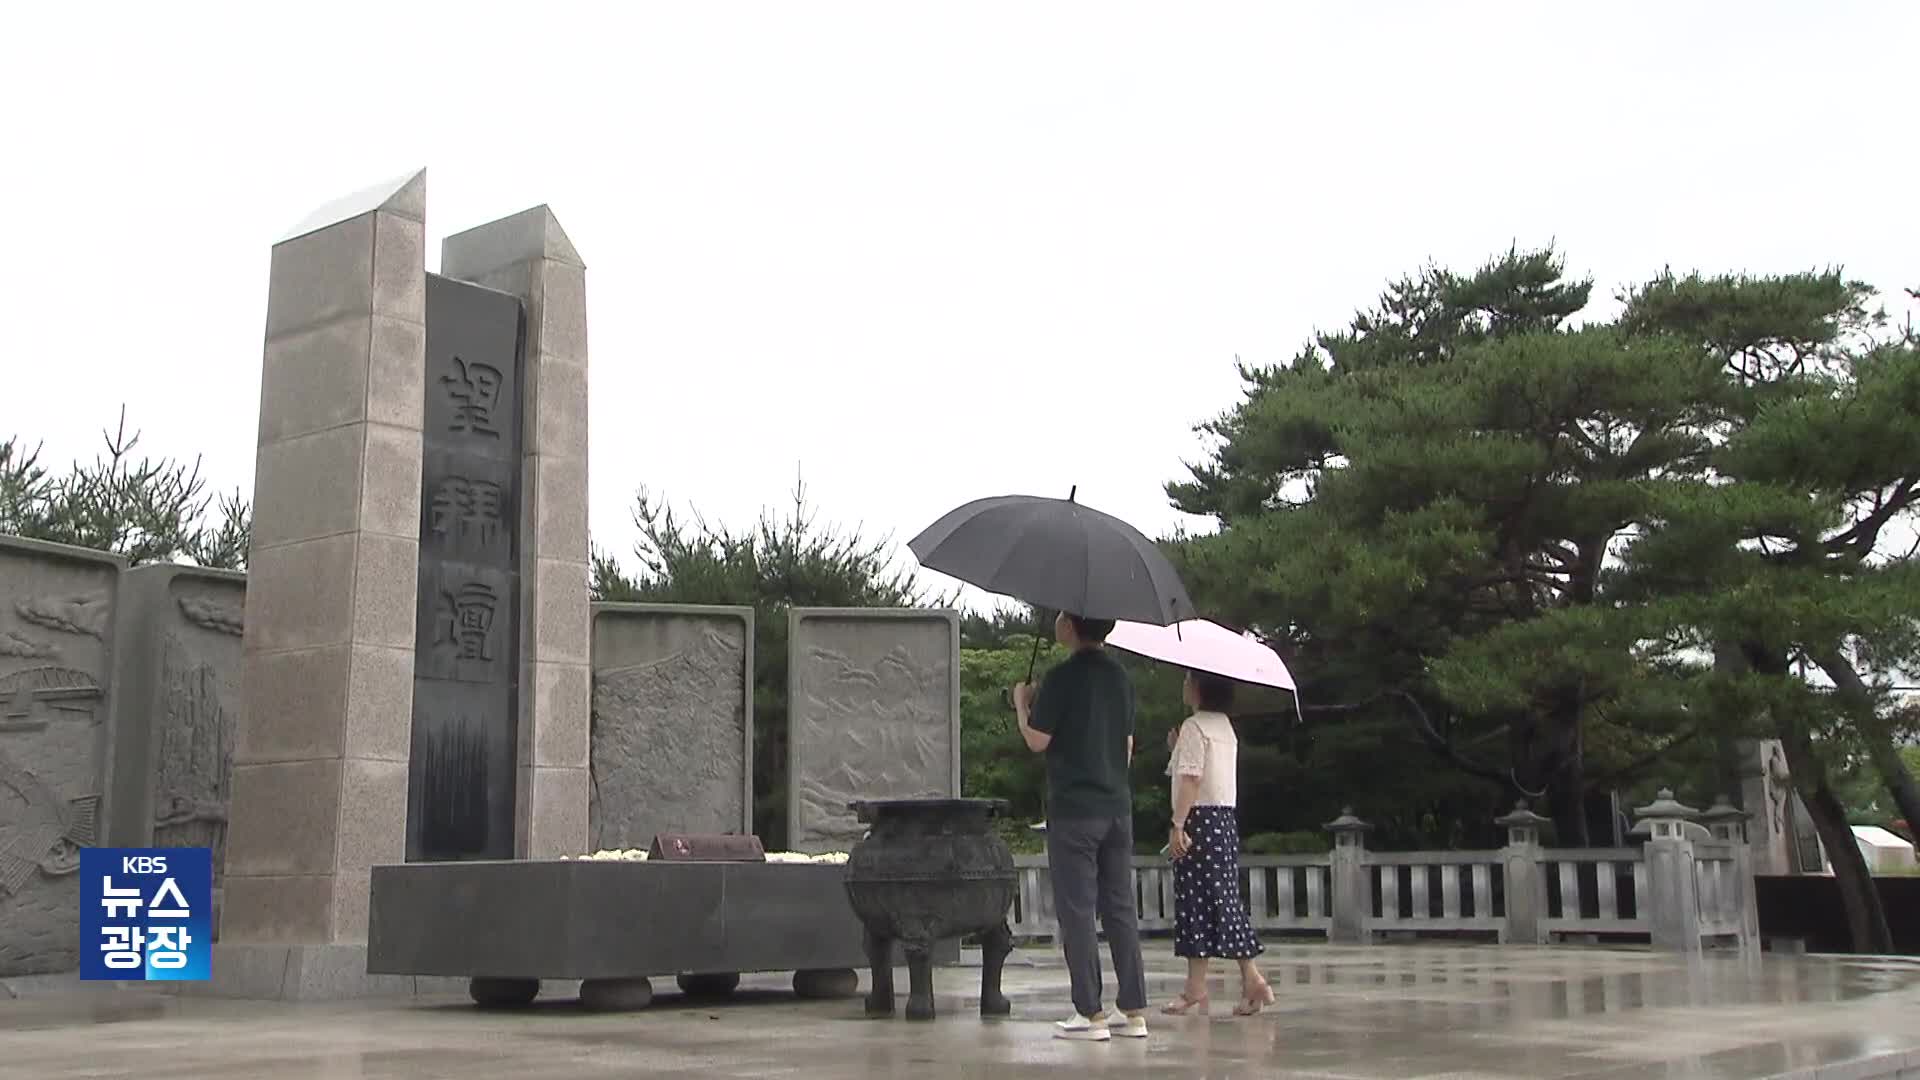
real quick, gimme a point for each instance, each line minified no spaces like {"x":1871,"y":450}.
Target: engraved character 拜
{"x":483,"y":512}
{"x":476,"y":393}
{"x":468,"y":511}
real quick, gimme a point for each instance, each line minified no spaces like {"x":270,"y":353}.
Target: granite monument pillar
{"x":319,"y":785}
{"x":528,"y":256}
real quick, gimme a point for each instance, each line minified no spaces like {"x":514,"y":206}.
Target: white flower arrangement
{"x":613,"y":855}
{"x":836,"y":858}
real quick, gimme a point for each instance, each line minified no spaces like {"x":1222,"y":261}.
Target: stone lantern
{"x":1522,"y":825}
{"x":1725,"y":821}
{"x":1672,"y":900}
{"x":1665,"y":818}
{"x":1526,"y":882}
{"x":1728,"y":824}
{"x":1348,"y":831}
{"x":1351,"y":893}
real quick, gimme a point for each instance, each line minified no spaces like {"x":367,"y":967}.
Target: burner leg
{"x":919,"y":980}
{"x":880,"y":956}
{"x":995,"y":946}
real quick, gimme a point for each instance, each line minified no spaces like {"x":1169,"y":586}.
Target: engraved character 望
{"x":476,"y":393}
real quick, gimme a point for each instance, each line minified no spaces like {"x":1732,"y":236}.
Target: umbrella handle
{"x":1033,"y":660}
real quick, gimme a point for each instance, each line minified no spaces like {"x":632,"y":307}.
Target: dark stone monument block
{"x":461,"y":780}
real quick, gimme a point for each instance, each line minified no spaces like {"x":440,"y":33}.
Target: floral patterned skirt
{"x":1209,"y":918}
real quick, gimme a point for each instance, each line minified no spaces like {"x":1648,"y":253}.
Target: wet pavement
{"x":1376,"y":1012}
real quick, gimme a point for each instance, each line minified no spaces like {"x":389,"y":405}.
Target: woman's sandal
{"x":1182,"y":1004}
{"x":1255,"y":1002}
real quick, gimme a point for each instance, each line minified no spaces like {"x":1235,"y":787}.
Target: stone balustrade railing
{"x":1687,"y":887}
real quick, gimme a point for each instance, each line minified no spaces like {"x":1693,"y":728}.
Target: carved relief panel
{"x":56,"y":614}
{"x":873,"y":713}
{"x":672,"y":722}
{"x":196,"y":629}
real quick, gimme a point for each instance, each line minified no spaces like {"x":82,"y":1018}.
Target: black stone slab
{"x":585,"y":919}
{"x":460,"y":786}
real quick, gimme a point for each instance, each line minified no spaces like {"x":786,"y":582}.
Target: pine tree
{"x":148,"y":510}
{"x":1565,"y":554}
{"x":1777,"y":558}
{"x":1424,"y":507}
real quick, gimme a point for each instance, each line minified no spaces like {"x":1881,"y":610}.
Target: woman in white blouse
{"x":1209,"y":919}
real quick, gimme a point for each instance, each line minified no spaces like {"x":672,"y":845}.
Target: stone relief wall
{"x":873,"y":713}
{"x":198,"y":640}
{"x":56,"y":614}
{"x":672,"y":723}
{"x":153,"y":656}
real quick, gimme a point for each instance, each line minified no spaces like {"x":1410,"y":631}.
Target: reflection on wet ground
{"x":1376,"y":1012}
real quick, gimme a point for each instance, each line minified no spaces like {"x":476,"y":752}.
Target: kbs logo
{"x":146,"y":913}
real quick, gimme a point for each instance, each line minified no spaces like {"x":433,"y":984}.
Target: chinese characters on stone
{"x":476,"y":393}
{"x":466,"y":620}
{"x":468,"y":514}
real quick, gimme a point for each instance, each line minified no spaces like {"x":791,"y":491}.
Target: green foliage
{"x":779,"y":564}
{"x":1482,"y":531}
{"x":1777,"y":558}
{"x":149,"y":510}
{"x":1291,"y":780}
{"x":1438,"y":491}
{"x":995,"y":763}
{"x":1158,"y":712}
{"x":1021,"y":837}
{"x":1286,"y":843}
{"x":1002,"y":626}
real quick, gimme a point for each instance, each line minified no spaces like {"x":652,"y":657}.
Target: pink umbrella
{"x":1201,"y":645}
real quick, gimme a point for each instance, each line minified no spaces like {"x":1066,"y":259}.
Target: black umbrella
{"x":1056,"y":555}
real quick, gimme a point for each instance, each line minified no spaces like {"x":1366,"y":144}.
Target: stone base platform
{"x":507,"y":927}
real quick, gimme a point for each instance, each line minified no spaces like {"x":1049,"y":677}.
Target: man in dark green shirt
{"x":1082,"y":720}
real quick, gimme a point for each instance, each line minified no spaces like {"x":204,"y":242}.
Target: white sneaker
{"x":1133,"y":1027}
{"x":1082,"y":1029}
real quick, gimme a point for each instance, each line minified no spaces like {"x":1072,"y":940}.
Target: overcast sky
{"x":927,"y":252}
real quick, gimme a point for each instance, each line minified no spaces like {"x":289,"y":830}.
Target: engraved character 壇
{"x":469,"y":620}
